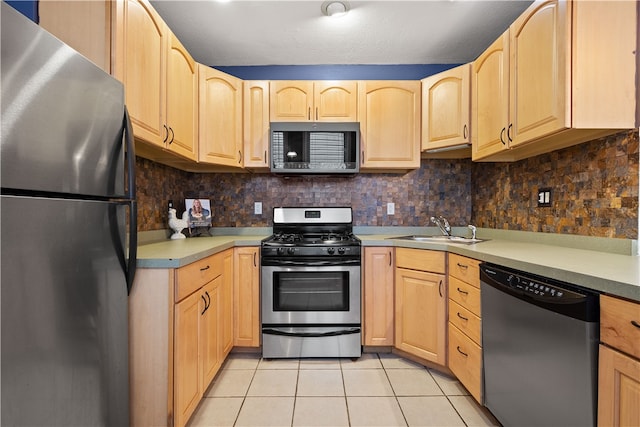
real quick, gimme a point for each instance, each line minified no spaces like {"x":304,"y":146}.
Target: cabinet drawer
{"x":466,"y":295}
{"x":466,"y":321}
{"x":465,"y":361}
{"x":420,"y":259}
{"x":620,"y":324}
{"x":193,"y":276}
{"x":465,"y":269}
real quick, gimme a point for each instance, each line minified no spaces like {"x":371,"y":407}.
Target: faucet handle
{"x":473,"y":230}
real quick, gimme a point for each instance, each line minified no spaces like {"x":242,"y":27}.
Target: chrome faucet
{"x":473,"y":231}
{"x":442,"y":224}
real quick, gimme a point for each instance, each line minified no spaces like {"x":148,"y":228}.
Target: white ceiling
{"x":243,"y":33}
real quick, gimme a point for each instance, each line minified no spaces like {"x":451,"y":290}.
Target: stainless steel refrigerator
{"x":67,"y":264}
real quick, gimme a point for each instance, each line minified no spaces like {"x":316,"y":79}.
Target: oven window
{"x":311,"y":291}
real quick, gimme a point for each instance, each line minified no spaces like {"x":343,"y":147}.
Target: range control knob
{"x":331,"y":251}
{"x":341,"y":251}
{"x":291,"y":251}
{"x":280,"y":251}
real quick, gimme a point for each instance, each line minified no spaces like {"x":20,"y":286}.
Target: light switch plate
{"x":257,"y":208}
{"x":544,"y":197}
{"x":391,"y":208}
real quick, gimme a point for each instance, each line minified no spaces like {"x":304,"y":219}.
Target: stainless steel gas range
{"x":310,"y":285}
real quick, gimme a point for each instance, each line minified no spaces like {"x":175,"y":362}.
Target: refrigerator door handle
{"x":133,"y":206}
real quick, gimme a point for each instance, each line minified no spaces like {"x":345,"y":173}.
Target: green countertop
{"x":611,"y":273}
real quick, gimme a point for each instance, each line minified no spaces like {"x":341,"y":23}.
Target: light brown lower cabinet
{"x":618,"y":389}
{"x":465,"y":361}
{"x":246,"y":291}
{"x":619,"y":363}
{"x":465,"y":323}
{"x":421,"y":304}
{"x":378,"y":294}
{"x":180,"y":331}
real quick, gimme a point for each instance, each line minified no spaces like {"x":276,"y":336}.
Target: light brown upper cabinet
{"x":182,"y":100}
{"x":309,"y":101}
{"x":85,"y":25}
{"x":256,"y":124}
{"x":129,"y":39}
{"x":389,"y":116}
{"x":550,"y":81}
{"x":220,"y":137}
{"x":446,"y":109}
{"x":160,"y":79}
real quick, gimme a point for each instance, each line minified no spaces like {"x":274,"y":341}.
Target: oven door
{"x":311,"y":295}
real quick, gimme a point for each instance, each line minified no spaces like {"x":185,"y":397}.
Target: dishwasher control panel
{"x":527,"y":285}
{"x":551,"y":294}
{"x":538,"y":288}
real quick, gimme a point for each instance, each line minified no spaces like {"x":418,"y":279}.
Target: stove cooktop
{"x":312,"y":239}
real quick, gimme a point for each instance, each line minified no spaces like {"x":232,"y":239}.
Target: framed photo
{"x":199,"y":212}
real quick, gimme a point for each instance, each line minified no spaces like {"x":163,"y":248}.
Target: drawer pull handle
{"x":462,"y":352}
{"x":463,"y":266}
{"x":205,"y":268}
{"x":462,"y":317}
{"x":636,"y":324}
{"x":389,"y":258}
{"x":463,"y":292}
{"x":204,"y":310}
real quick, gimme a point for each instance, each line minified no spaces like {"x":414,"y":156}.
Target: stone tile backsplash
{"x":595,"y":192}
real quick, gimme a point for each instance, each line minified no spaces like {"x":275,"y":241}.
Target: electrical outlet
{"x":391,"y":208}
{"x":544,"y":197}
{"x":257,"y":208}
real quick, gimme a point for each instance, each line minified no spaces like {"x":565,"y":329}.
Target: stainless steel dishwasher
{"x":540,"y":349}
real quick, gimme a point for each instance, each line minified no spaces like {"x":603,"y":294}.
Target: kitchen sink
{"x":441,"y":238}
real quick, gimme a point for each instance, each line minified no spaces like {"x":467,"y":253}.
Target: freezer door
{"x":62,"y":116}
{"x":64,"y":313}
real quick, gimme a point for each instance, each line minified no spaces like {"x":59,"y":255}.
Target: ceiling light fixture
{"x":335,"y":8}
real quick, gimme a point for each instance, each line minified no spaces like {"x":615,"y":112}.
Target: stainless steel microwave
{"x":315,"y":148}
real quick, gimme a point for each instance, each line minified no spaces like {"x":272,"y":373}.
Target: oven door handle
{"x":349,"y":331}
{"x":311,"y":263}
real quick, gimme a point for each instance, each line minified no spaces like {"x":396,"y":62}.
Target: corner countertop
{"x":610,"y":273}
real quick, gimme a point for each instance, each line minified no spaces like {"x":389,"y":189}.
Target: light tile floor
{"x":376,"y":390}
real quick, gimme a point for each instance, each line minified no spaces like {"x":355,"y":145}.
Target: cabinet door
{"x":186,"y":371}
{"x":421,"y":314}
{"x":618,"y":389}
{"x":490,"y":99}
{"x":540,"y":67}
{"x":210,"y":349}
{"x":85,"y":25}
{"x":378,"y":296}
{"x":256,"y":124}
{"x":220,"y":118}
{"x":389,"y":115}
{"x":246,"y":293}
{"x":335,"y":101}
{"x":139,"y":29}
{"x":182,"y":100}
{"x":446,"y":108}
{"x":226,"y":303}
{"x":291,"y":101}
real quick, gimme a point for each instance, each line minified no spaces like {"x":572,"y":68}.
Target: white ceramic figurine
{"x":177,"y":225}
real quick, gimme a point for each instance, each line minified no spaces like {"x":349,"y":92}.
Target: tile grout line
{"x":393,"y":390}
{"x":344,"y":390}
{"x":447,"y":397}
